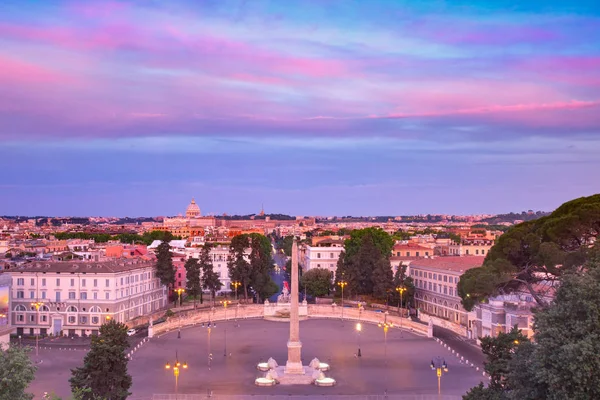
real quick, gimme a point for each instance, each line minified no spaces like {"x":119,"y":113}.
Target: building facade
{"x":324,"y":254}
{"x":435,"y":287}
{"x":74,"y":298}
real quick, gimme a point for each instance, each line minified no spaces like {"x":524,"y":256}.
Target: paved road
{"x":469,"y":350}
{"x":278,"y":277}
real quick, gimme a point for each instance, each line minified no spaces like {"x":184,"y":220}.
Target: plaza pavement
{"x":407,"y":372}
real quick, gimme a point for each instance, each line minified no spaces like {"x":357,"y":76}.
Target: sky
{"x":308,"y":107}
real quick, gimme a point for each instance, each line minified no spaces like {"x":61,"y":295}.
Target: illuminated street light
{"x":439,"y":366}
{"x":342,"y":284}
{"x":176,"y":369}
{"x":37,"y":306}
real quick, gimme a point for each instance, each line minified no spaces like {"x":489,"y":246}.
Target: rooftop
{"x":82,"y":266}
{"x":449,"y":263}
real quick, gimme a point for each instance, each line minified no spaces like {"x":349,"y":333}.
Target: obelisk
{"x":294,"y":362}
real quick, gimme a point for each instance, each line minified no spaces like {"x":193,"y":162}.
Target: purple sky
{"x":316,"y":107}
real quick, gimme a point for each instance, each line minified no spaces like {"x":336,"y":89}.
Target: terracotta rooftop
{"x":449,"y":263}
{"x":411,"y":246}
{"x":81,"y":266}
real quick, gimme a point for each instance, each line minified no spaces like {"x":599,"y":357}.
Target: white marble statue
{"x":314,"y":364}
{"x":272,"y":363}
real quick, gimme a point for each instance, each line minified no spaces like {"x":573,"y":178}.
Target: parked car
{"x":131,"y":332}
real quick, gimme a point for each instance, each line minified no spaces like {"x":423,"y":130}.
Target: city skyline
{"x":310,"y":108}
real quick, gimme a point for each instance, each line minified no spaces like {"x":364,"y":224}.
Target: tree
{"x":261,"y":265}
{"x":210,"y":279}
{"x":164,"y":264}
{"x":16,"y":372}
{"x":535,"y":255}
{"x":499,"y":352}
{"x":104,"y":370}
{"x":237,"y":265}
{"x":382,"y":278}
{"x":192,"y":275}
{"x":317,"y":282}
{"x":286,"y":245}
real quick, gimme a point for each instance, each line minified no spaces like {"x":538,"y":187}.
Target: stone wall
{"x":458,"y":329}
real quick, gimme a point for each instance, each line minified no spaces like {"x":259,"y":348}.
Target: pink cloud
{"x":14,"y":71}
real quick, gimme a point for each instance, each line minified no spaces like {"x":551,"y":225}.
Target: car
{"x":131,"y":332}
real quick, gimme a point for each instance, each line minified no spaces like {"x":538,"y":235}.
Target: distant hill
{"x":511,"y":217}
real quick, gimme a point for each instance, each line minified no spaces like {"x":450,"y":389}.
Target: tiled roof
{"x":81,"y":266}
{"x":449,"y":263}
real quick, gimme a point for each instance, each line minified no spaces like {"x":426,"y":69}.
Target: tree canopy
{"x":164,"y":264}
{"x":16,"y":372}
{"x":193,"y":285}
{"x":536,"y":254}
{"x":364,"y":264}
{"x":562,"y":361}
{"x":104,"y":370}
{"x":317,"y":282}
{"x":253,"y":270}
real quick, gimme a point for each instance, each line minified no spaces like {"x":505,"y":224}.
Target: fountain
{"x":294,"y":373}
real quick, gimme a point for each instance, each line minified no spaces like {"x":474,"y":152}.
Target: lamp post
{"x":176,"y":369}
{"x":225,"y":304}
{"x":342,"y":284}
{"x":439,"y":366}
{"x":358,"y":330}
{"x":385,"y":326}
{"x":210,"y":325}
{"x":179,"y":291}
{"x":401,"y":290}
{"x":236,"y":285}
{"x":37,"y":306}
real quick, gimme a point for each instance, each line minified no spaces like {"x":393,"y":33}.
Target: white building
{"x":76,"y":297}
{"x":324,"y":254}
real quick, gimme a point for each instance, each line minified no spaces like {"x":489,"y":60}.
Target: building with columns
{"x":75,"y":297}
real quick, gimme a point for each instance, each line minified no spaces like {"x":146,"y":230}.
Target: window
{"x":445,"y":289}
{"x":72,"y":282}
{"x":408,"y":254}
{"x":72,"y":309}
{"x":455,"y":279}
{"x":430,"y":286}
{"x":451,"y":291}
{"x":44,"y":318}
{"x":445,"y":278}
{"x":31,"y":317}
{"x":83,"y":295}
{"x":434,"y":277}
{"x":426,"y":253}
{"x":318,"y":265}
{"x":477,"y":251}
{"x":95,"y":295}
{"x":435,"y":287}
{"x":21,"y":318}
{"x":107,"y":283}
{"x":467,"y":252}
{"x":20,"y":281}
{"x":318,"y":255}
{"x":72,"y":319}
{"x":83,"y":319}
{"x":71,"y":295}
{"x":43,"y":281}
{"x":95,"y":320}
{"x":107,"y":295}
{"x":95,"y":282}
{"x":330,"y":255}
{"x":430,"y":275}
{"x":121,"y":281}
{"x":43,"y":295}
{"x":32,"y":282}
{"x":20,"y":294}
{"x":57,"y":281}
{"x":83,"y":282}
{"x":482,"y":251}
{"x":418,"y":254}
{"x":57,"y":294}
{"x":179,"y":275}
{"x":31,"y":294}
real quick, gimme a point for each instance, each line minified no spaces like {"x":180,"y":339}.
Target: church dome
{"x":192,"y":210}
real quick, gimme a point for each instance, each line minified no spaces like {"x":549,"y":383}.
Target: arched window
{"x":95,"y":309}
{"x":72,"y":309}
{"x":44,"y":309}
{"x":20,"y":307}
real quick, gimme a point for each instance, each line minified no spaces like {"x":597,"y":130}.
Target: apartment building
{"x":75,"y":297}
{"x":324,"y":254}
{"x":471,"y":247}
{"x":435,"y":286}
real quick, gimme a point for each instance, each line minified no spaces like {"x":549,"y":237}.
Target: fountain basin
{"x":263,"y":366}
{"x":325,"y":382}
{"x":324,"y":366}
{"x":265,"y":382}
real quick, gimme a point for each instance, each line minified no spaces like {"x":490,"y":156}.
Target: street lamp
{"x":179,"y":291}
{"x":176,"y":367}
{"x":385,"y":326}
{"x":236,"y":285}
{"x":37,"y":306}
{"x":401,"y":290}
{"x":358,"y":330}
{"x":439,"y":366}
{"x":342,"y":284}
{"x":209,"y":326}
{"x":225,"y":303}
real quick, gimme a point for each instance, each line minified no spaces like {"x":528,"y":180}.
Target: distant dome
{"x":192,"y":210}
